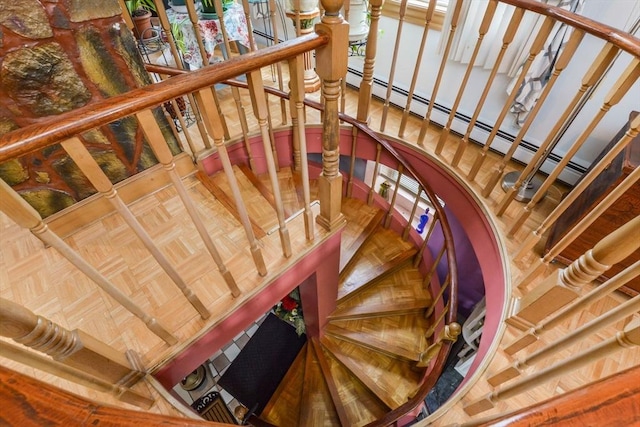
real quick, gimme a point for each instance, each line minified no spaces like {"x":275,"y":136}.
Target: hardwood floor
{"x":44,"y":282}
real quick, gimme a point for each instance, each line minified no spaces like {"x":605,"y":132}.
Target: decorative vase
{"x":358,"y":21}
{"x":305,"y":5}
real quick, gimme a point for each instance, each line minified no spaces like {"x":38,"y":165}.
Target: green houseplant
{"x":140,"y":11}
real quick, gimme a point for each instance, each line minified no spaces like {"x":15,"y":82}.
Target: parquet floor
{"x":44,"y":282}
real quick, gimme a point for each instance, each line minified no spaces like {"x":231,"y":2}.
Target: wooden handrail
{"x":623,"y":40}
{"x":38,"y":136}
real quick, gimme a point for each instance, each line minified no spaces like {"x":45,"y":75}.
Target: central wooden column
{"x":331,"y":65}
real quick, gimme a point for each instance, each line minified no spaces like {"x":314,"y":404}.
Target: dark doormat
{"x":256,"y":372}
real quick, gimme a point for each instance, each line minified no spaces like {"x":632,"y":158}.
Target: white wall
{"x":617,"y":13}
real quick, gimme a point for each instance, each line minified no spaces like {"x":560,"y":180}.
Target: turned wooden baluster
{"x":43,"y":363}
{"x":214,"y":127}
{"x":76,"y":348}
{"x":620,"y":88}
{"x":276,"y":40}
{"x":628,"y":338}
{"x":394,"y":60}
{"x":409,"y":226}
{"x":536,"y":46}
{"x":484,"y":27}
{"x":296,"y":73}
{"x":331,"y":66}
{"x":432,"y":329}
{"x":616,"y":314}
{"x":366,"y":85}
{"x":577,"y":306}
{"x":87,"y":164}
{"x":566,"y":202}
{"x":154,"y":135}
{"x":16,"y":208}
{"x":352,"y":164}
{"x":507,"y":38}
{"x":392,"y":204}
{"x":436,"y":85}
{"x":166,"y":27}
{"x":435,"y":220}
{"x":562,"y":287}
{"x":449,"y":333}
{"x":376,"y":168}
{"x":260,"y":110}
{"x":443,"y":287}
{"x":414,"y":80}
{"x":566,"y":55}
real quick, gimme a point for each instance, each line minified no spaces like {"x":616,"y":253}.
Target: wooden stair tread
{"x":226,"y":200}
{"x":287,"y":184}
{"x":283,"y":409}
{"x":396,"y":336}
{"x":358,"y":403}
{"x":392,"y":380}
{"x":317,"y":407}
{"x":400,"y":288}
{"x":381,"y":310}
{"x":348,"y":252}
{"x":358,"y":215}
{"x":258,"y":208}
{"x":332,"y":386}
{"x":369,"y":269}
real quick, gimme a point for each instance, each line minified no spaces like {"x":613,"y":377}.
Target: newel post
{"x":564,"y":286}
{"x":331,"y":60}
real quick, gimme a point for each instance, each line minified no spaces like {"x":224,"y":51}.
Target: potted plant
{"x":208,"y":6}
{"x":140,"y":11}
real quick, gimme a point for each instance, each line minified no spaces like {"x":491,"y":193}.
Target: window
{"x":416,"y":11}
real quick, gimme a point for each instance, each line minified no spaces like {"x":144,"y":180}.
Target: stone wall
{"x":55,"y":56}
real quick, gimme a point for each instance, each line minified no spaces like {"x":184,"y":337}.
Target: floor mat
{"x":255,"y":374}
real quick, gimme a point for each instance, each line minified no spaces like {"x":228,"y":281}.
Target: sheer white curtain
{"x":466,"y":36}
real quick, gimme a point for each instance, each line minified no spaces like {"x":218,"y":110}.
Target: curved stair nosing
{"x":415,"y":306}
{"x":346,"y":361}
{"x":373,"y":343}
{"x":378,"y":273}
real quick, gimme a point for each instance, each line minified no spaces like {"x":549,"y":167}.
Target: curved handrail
{"x":38,"y":136}
{"x":619,"y":38}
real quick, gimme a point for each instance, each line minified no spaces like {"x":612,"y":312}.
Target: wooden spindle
{"x":276,"y":40}
{"x":438,"y":297}
{"x":296,"y":69}
{"x":449,"y":333}
{"x":161,"y":150}
{"x":561,"y":63}
{"x":166,"y":27}
{"x":507,"y":38}
{"x":376,"y":168}
{"x":536,"y":46}
{"x":585,"y":182}
{"x":42,"y":363}
{"x":432,"y":329}
{"x":396,"y":50}
{"x":436,"y":85}
{"x":389,"y":216}
{"x":90,"y":168}
{"x":484,"y":27}
{"x":214,"y":127}
{"x":434,"y":266}
{"x":616,"y":314}
{"x":16,"y":208}
{"x":425,"y":242}
{"x":577,"y":306}
{"x":366,"y":85}
{"x":628,"y":338}
{"x":562,"y":287}
{"x":621,"y":87}
{"x":259,"y":103}
{"x":414,"y":79}
{"x":352,"y":160}
{"x":72,"y":348}
{"x":409,"y":227}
